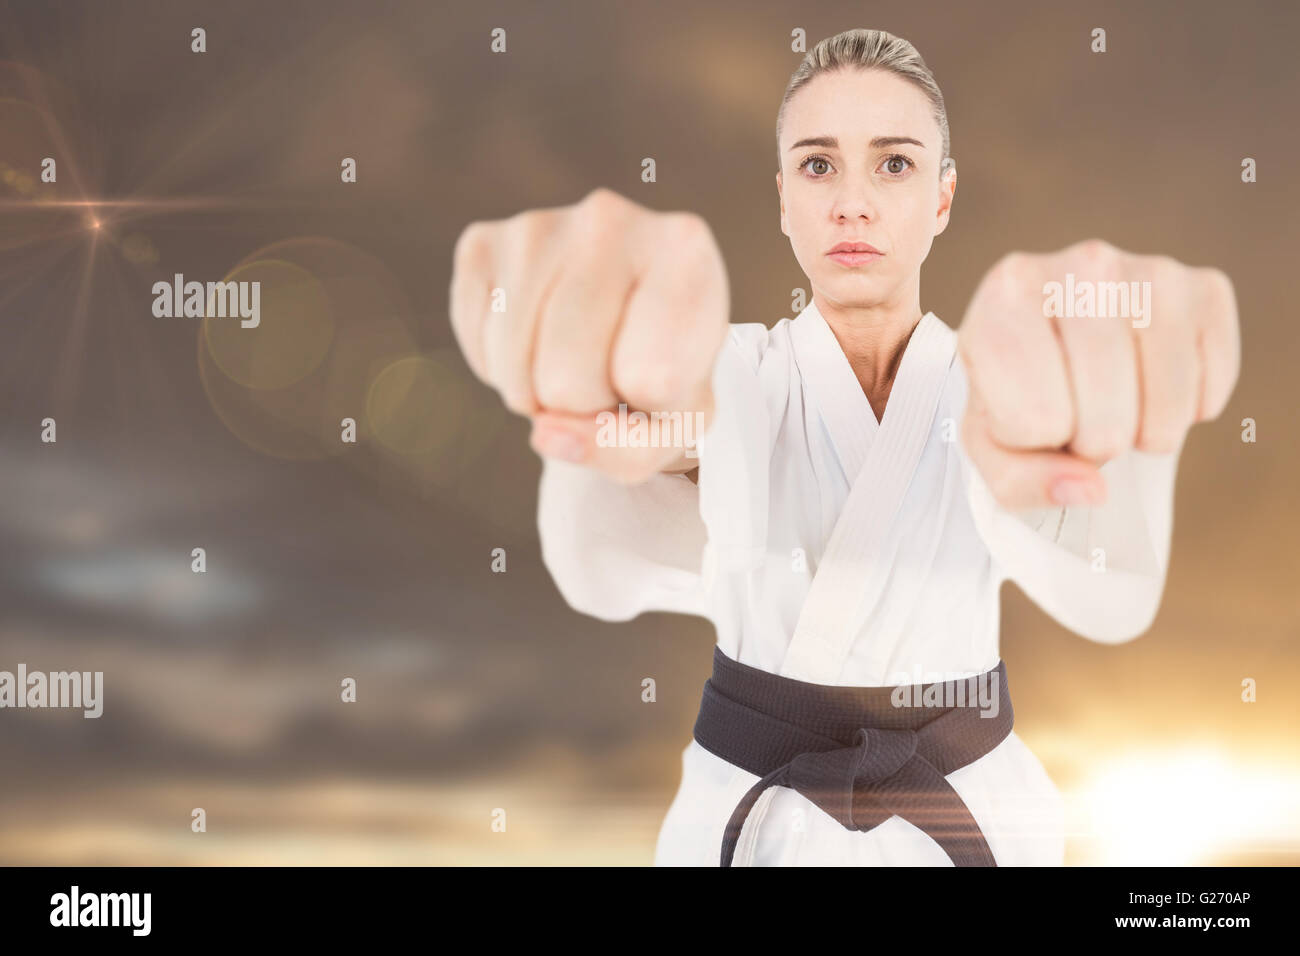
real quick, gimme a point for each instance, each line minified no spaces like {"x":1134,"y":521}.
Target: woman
{"x":859,"y":494}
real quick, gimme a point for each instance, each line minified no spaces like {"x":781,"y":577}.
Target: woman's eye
{"x":812,"y":161}
{"x":897,"y":165}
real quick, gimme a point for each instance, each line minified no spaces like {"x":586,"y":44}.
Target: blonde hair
{"x":868,"y":50}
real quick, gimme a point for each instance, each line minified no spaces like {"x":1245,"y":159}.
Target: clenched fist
{"x":1067,"y":369}
{"x":571,"y":311}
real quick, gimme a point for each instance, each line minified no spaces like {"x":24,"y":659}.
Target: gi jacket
{"x":833,"y":548}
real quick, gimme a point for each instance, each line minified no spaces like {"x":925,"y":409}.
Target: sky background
{"x":373,"y":561}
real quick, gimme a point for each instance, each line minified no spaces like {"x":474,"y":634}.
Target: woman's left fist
{"x":1078,"y":356}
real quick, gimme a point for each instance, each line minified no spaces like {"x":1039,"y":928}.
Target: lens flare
{"x":1188,"y":807}
{"x":331,"y":318}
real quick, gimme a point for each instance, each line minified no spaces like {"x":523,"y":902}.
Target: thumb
{"x":628,"y":445}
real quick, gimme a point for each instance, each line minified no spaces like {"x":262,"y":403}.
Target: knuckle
{"x":1010,"y":276}
{"x":470,"y":245}
{"x":600,"y":204}
{"x":686,"y":230}
{"x":1164,"y":272}
{"x":1011,"y":265}
{"x":1219,"y":285}
{"x":1166,"y":265}
{"x":1015,"y":259}
{"x":1096,"y":251}
{"x":526,"y":230}
{"x":1160,"y":270}
{"x":596,"y":224}
{"x":696,"y":260}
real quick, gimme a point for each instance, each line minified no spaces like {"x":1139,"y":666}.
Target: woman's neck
{"x":873,"y":340}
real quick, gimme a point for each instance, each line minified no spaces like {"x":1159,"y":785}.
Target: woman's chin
{"x":857,"y":290}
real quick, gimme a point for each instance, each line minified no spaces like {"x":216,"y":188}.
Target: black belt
{"x":852,"y":751}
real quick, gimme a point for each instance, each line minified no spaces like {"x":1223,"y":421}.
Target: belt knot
{"x":831,"y":778}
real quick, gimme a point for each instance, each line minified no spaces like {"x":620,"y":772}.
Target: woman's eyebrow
{"x":830,"y":142}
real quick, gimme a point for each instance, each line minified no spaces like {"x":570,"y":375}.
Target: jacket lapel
{"x":835,"y":390}
{"x":879,"y":460}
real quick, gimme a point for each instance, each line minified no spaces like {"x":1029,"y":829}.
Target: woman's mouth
{"x":854,"y":253}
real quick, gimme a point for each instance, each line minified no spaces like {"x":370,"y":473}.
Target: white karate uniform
{"x":907,"y":590}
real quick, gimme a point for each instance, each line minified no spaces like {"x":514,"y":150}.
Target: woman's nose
{"x":855,"y":201}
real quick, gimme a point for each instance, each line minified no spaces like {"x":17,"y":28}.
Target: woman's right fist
{"x":571,"y":311}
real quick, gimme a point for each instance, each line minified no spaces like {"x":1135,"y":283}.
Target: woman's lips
{"x":855,"y":258}
{"x":854,"y":252}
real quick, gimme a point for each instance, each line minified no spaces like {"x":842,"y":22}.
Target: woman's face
{"x":860,"y":154}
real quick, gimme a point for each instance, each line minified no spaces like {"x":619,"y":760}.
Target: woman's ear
{"x":947,"y":190}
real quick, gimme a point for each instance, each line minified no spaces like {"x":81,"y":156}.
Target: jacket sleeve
{"x":617,"y":550}
{"x":1099,"y":571}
